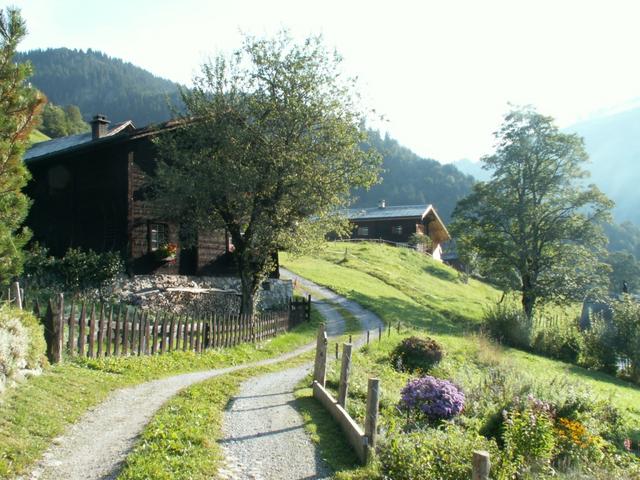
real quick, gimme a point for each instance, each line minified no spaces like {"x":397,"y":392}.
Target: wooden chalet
{"x":88,"y":192}
{"x":397,"y":224}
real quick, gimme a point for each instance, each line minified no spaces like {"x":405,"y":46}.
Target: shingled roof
{"x":55,"y":146}
{"x":387,"y":212}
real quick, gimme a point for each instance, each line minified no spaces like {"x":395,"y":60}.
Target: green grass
{"x":401,"y":285}
{"x":37,"y":136}
{"x":34,"y":413}
{"x":180,"y":442}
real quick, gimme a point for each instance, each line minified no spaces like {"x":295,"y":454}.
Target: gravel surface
{"x":96,"y":446}
{"x":263,"y":434}
{"x":273,"y":447}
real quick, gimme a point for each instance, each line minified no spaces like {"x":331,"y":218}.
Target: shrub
{"x":557,"y":339}
{"x":432,"y":398}
{"x":22,"y":342}
{"x":507,"y":324}
{"x":435,"y":454}
{"x":415,"y":353}
{"x":77,"y":272}
{"x":529,"y":434}
{"x":626,"y":321}
{"x":598,"y":346}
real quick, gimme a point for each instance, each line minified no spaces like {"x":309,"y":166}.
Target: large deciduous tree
{"x":269,"y":148}
{"x":535,"y":225}
{"x":19,"y":105}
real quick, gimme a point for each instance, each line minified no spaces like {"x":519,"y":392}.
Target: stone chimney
{"x":382,"y":204}
{"x":99,"y":126}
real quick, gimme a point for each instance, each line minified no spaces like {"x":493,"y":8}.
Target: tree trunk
{"x":248,"y":299}
{"x":528,"y":301}
{"x":249,"y":284}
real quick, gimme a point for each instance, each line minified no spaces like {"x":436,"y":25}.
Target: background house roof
{"x":400,"y":211}
{"x":58,"y":145}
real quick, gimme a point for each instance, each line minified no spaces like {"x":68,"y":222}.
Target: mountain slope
{"x":97,"y":83}
{"x":409,"y":179}
{"x":613,"y":144}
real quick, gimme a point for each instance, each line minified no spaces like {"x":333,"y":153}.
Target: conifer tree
{"x":19,"y":106}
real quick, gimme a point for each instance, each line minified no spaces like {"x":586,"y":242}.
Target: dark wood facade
{"x":90,"y":194}
{"x":398,"y":223}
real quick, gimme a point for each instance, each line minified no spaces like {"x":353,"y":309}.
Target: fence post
{"x":320,"y":368}
{"x":481,"y":465}
{"x":371,"y":418}
{"x":379,"y":334}
{"x":17,"y":294}
{"x":308,"y":309}
{"x":368,"y":335}
{"x":344,"y":375}
{"x":54,"y":329}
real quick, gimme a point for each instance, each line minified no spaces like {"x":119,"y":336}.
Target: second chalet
{"x":397,"y":224}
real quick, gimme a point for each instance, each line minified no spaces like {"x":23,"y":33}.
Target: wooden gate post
{"x":344,"y":375}
{"x":481,"y":465}
{"x":54,"y":328}
{"x":320,"y":368}
{"x":371,"y":418}
{"x":17,"y":294}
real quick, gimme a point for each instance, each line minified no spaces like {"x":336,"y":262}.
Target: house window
{"x":396,"y":230}
{"x":363,"y":231}
{"x":158,"y":235}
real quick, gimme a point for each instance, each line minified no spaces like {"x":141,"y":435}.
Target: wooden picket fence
{"x":95,"y":329}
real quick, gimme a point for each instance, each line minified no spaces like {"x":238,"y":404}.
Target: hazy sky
{"x":442,"y":72}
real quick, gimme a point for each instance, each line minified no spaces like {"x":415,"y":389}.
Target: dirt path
{"x":264,"y":435}
{"x":96,"y":446}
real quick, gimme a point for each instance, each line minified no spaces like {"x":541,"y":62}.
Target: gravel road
{"x":96,"y":446}
{"x":263,"y":434}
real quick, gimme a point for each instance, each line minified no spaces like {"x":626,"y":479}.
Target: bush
{"x":529,"y":434}
{"x":415,"y":353}
{"x":598,"y":346}
{"x":626,"y":320}
{"x":432,"y":398}
{"x":557,"y":338}
{"x":435,"y":454}
{"x":22,"y":343}
{"x":77,"y":272}
{"x":506,"y":323}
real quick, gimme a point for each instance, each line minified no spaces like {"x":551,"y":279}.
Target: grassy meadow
{"x":429,"y":298}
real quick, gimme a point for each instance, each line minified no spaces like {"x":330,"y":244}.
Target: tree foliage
{"x":19,"y":105}
{"x":269,"y":150}
{"x":535,"y":226}
{"x":57,"y":121}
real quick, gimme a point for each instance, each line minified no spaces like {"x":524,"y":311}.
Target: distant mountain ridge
{"x":97,"y":83}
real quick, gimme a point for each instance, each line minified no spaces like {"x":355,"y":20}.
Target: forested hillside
{"x":97,"y":83}
{"x":410,"y":179}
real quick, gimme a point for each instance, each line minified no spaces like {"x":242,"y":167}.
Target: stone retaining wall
{"x":182,"y":294}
